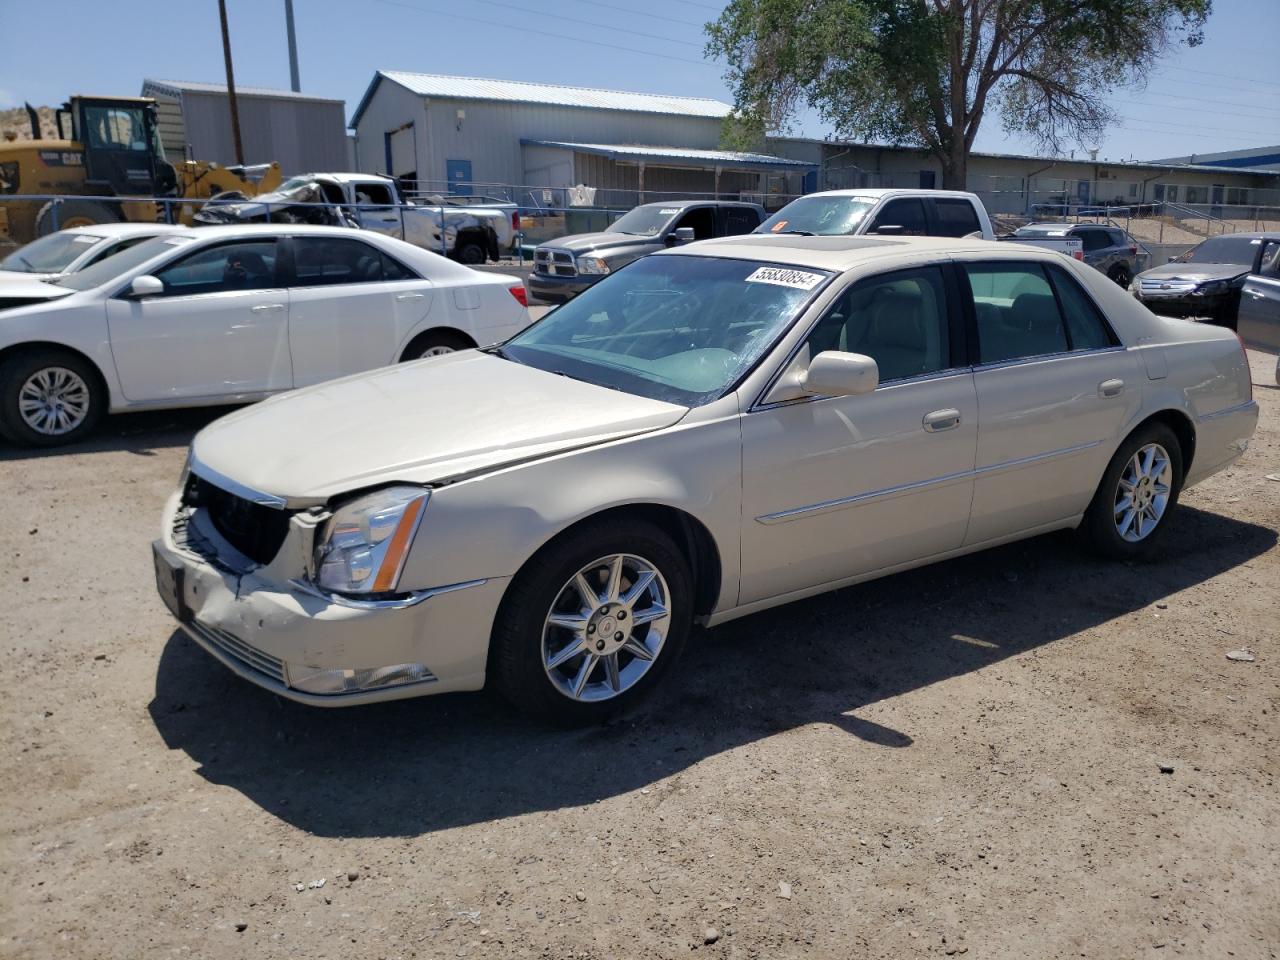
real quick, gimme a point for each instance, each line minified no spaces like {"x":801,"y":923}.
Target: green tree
{"x":927,"y":72}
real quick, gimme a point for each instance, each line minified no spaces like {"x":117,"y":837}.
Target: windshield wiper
{"x":798,"y":233}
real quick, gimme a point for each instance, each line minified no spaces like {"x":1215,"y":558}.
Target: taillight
{"x":515,"y":220}
{"x":1133,"y":251}
{"x":1078,"y":255}
{"x":519,"y":293}
{"x":1244,"y":353}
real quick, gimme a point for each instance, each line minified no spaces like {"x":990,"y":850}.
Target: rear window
{"x":956,"y":218}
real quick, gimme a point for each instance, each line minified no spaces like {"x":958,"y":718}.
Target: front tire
{"x":435,"y":343}
{"x":1130,"y":510}
{"x":593,"y":623}
{"x":49,"y":398}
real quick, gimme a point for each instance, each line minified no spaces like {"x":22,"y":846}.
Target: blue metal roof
{"x":683,"y":156}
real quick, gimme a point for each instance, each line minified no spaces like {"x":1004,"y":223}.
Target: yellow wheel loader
{"x":107,"y":147}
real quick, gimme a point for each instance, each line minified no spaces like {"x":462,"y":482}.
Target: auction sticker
{"x":782,"y":277}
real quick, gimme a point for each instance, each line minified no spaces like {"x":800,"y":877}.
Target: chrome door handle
{"x":941,"y":420}
{"x":266,"y":308}
{"x":1110,"y":388}
{"x":409,"y":296}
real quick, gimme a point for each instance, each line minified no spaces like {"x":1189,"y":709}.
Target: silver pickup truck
{"x":470,"y":233}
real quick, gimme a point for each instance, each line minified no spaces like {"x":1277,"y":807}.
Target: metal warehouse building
{"x":463,"y":134}
{"x":300,"y":132}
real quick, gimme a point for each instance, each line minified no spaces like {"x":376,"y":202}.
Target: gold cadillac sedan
{"x":708,"y":432}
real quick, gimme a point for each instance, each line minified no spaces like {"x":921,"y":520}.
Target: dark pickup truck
{"x":565,"y":267}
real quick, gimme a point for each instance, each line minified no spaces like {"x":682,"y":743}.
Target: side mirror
{"x":834,"y":373}
{"x":680,"y":235}
{"x":1172,"y":260}
{"x":146,"y":286}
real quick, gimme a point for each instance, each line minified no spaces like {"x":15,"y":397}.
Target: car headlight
{"x":1211,"y":289}
{"x":365,"y":542}
{"x":592,"y":265}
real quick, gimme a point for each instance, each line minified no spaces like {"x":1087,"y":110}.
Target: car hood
{"x":6,"y":275}
{"x":29,"y":287}
{"x":1198,"y":272}
{"x":604,"y":241}
{"x":431,"y":421}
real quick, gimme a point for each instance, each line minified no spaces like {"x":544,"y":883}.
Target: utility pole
{"x":294,"y":83}
{"x":231,"y":83}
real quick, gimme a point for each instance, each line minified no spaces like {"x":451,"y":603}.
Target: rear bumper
{"x":1222,"y":438}
{"x":558,"y":289}
{"x":277,"y":635}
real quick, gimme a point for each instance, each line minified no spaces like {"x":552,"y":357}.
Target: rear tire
{"x":571,"y":660}
{"x":73,"y":213}
{"x":470,"y":253}
{"x":49,"y":398}
{"x":1121,"y":275}
{"x":1129,"y":513}
{"x":435,"y":343}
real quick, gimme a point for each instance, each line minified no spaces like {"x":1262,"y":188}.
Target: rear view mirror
{"x":834,"y":373}
{"x":146,"y":286}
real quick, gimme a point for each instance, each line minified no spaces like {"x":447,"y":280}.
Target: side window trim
{"x":975,"y":355}
{"x":1058,"y":276}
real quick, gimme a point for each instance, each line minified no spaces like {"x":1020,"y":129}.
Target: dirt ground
{"x":964,"y":759}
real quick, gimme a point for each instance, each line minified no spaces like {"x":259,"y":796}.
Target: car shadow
{"x":417,"y":766}
{"x":137,"y":433}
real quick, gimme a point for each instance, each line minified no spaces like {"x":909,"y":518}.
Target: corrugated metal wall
{"x":173,"y":133}
{"x":300,"y":135}
{"x":490,"y":133}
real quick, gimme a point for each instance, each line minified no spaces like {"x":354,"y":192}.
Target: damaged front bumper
{"x":271,"y":626}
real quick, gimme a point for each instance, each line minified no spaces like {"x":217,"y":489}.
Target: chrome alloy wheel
{"x":439,"y":350}
{"x":54,"y":401}
{"x":1142,"y":494}
{"x":606,"y":628}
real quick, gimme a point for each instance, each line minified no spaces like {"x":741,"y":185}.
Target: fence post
{"x":57,"y":206}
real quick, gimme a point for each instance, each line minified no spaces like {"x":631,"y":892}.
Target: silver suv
{"x":1108,"y":249}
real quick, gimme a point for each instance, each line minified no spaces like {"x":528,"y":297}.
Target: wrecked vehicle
{"x":470,"y":234}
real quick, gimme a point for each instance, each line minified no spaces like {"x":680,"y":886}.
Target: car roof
{"x":126,"y":229}
{"x":843,"y":252}
{"x":341,"y":177}
{"x":681,"y":204}
{"x":876,"y":193}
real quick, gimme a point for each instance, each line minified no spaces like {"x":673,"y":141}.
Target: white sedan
{"x":235,"y":314}
{"x":705,"y":433}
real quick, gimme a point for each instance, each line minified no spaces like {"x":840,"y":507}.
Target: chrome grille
{"x":238,"y":650}
{"x":1153,"y":288}
{"x":554,"y":263}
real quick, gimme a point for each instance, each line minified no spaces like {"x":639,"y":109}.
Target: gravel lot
{"x":961,"y":759}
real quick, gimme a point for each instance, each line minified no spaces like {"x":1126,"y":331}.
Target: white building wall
{"x":390,"y":107}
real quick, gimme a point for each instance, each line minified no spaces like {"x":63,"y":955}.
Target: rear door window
{"x":1086,"y":327}
{"x":1094,"y":239}
{"x":325,"y":261}
{"x":955,"y":217}
{"x":740,"y":220}
{"x":906,"y":213}
{"x":1016,"y":312}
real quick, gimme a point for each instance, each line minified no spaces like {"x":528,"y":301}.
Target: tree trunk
{"x":955,"y":167}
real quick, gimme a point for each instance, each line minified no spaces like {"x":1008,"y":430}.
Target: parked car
{"x":66,"y":251}
{"x":1258,"y":321}
{"x":234,"y":314}
{"x":918,"y":213}
{"x":1107,"y":249}
{"x":1205,"y":281}
{"x":472,"y":232}
{"x":563,"y":268}
{"x":713,"y":430}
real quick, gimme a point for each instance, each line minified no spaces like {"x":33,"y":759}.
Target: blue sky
{"x":1222,"y":95}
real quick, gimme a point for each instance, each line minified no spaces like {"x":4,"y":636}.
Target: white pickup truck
{"x":472,"y":232}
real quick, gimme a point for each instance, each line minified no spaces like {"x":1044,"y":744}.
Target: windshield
{"x":106,"y":270}
{"x":51,"y":254}
{"x":644,"y":221}
{"x":1222,"y":250}
{"x":822,"y":216}
{"x":682,"y":329}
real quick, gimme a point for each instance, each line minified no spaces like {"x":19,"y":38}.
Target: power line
{"x":603,"y":26}
{"x":547,"y":33}
{"x":1227,"y":76}
{"x":641,"y":13}
{"x":1226,"y":103}
{"x":1182,"y":125}
{"x":1213,"y":110}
